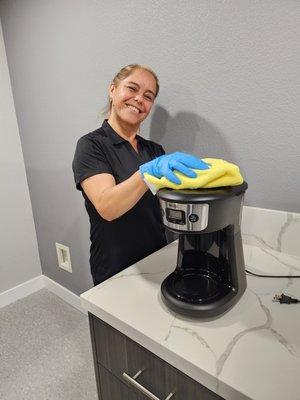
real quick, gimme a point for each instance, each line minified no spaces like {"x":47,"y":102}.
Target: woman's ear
{"x":112,"y":89}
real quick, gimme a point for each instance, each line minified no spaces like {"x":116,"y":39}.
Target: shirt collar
{"x":115,"y":138}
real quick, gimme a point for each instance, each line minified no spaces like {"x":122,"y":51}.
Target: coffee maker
{"x":209,"y":277}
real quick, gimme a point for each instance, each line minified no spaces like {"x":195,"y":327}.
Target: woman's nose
{"x":138,"y":97}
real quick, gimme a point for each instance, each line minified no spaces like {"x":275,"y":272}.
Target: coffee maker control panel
{"x":184,"y":217}
{"x":175,"y":216}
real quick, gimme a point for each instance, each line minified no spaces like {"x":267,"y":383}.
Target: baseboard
{"x":20,"y":291}
{"x":65,"y":294}
{"x":35,"y":284}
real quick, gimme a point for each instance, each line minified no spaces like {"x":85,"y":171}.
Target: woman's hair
{"x":123,"y":74}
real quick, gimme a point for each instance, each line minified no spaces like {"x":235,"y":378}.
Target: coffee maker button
{"x":193,"y":217}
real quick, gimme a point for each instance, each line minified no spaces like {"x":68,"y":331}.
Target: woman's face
{"x":133,"y":98}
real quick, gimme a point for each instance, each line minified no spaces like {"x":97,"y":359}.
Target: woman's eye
{"x":149,"y":98}
{"x":131,"y":88}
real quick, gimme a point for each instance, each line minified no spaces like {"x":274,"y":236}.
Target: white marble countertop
{"x":251,"y":352}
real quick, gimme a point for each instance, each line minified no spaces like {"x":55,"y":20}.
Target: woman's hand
{"x":166,"y":164}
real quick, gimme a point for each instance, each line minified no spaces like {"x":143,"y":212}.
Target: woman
{"x":108,"y":167}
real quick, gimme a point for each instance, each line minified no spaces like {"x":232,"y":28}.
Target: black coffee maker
{"x":210,"y":273}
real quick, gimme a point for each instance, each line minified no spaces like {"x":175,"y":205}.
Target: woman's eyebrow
{"x":136,"y":84}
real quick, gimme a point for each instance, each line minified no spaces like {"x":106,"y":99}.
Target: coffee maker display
{"x":209,"y":277}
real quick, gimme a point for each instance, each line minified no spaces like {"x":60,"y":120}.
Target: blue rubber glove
{"x":166,"y":164}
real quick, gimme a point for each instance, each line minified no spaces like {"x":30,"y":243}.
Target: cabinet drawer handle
{"x":141,"y":388}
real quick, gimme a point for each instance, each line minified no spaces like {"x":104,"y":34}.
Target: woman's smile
{"x":133,"y":108}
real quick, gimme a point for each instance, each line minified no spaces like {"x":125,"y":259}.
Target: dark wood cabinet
{"x":117,"y":359}
{"x":112,"y":388}
{"x":153,"y":375}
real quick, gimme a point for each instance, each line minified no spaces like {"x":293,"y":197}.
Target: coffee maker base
{"x":198,"y":294}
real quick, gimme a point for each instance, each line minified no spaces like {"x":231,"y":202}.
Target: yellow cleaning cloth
{"x":221,"y":173}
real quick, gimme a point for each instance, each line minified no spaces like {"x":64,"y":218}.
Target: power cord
{"x":284,"y":299}
{"x":280,"y":298}
{"x":272,"y":276}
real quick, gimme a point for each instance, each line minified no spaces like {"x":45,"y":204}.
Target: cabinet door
{"x":186,"y":388}
{"x":113,"y":389}
{"x":110,"y":347}
{"x":162,"y":379}
{"x":92,"y":332}
{"x":153,"y":369}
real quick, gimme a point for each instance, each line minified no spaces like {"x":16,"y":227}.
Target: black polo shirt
{"x":139,"y":232}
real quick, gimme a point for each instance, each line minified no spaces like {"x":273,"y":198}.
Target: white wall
{"x":19,"y":258}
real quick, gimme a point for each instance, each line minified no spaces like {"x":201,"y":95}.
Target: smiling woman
{"x":108,"y":166}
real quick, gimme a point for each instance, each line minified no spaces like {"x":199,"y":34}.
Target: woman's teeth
{"x":133,"y":108}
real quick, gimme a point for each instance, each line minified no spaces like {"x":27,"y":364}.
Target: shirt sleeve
{"x":161,"y":150}
{"x":89,"y":160}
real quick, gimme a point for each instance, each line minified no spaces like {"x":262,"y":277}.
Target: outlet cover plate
{"x":63,"y":257}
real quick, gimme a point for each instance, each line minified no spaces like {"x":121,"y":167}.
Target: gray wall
{"x":229,"y":73}
{"x":19,"y":257}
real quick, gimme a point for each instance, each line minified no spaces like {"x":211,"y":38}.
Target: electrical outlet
{"x":63,"y":257}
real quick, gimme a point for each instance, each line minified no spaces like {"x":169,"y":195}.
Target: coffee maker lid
{"x":200,"y":195}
